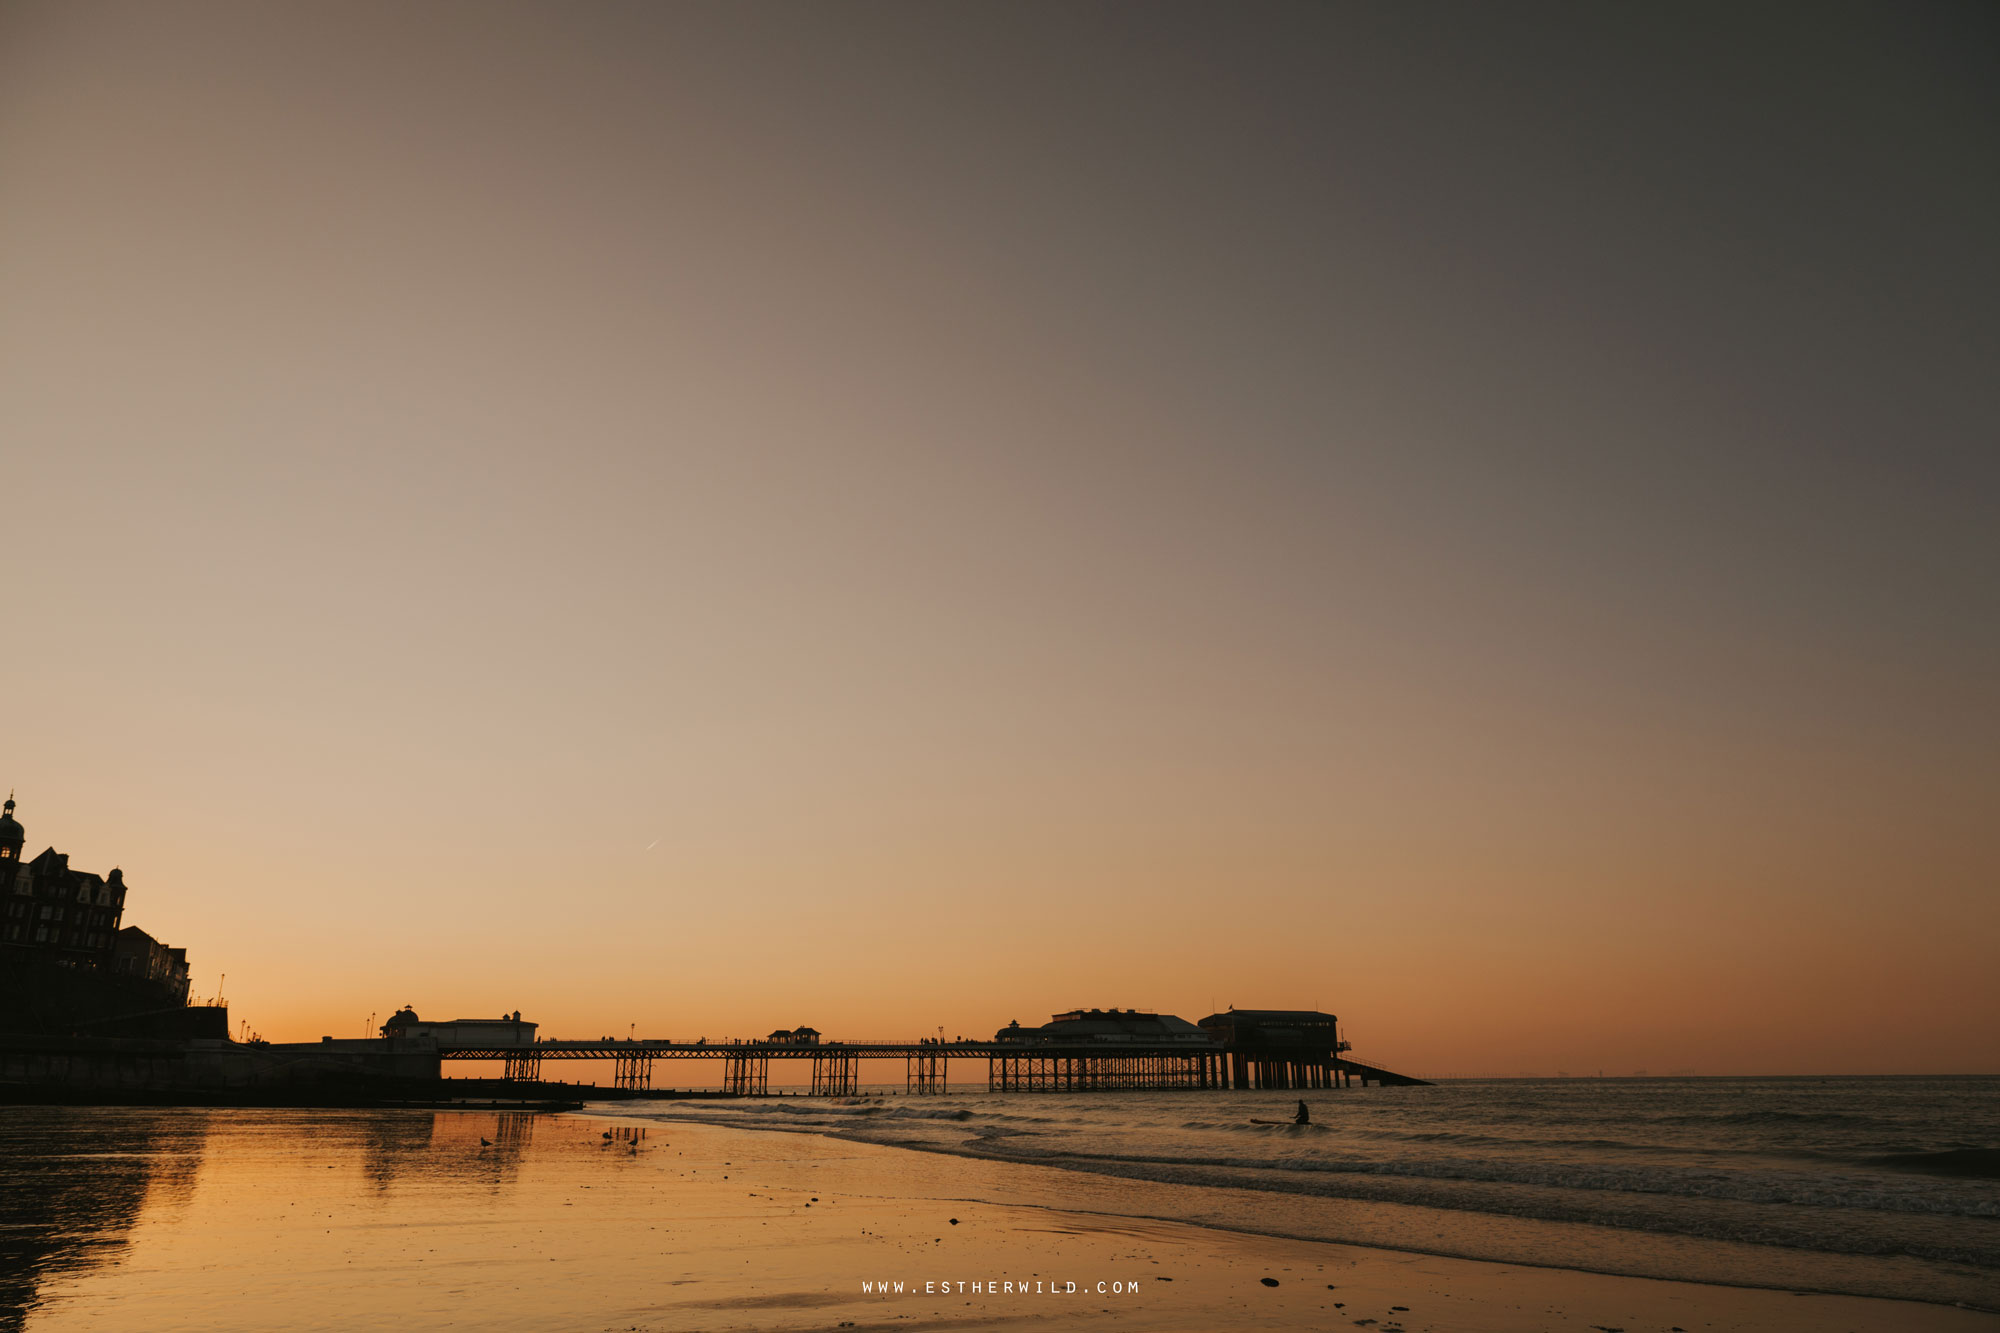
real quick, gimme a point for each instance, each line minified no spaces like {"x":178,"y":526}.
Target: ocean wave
{"x":1857,"y":1167}
{"x":1937,"y":1239}
{"x":1767,"y":1116}
{"x":1965,"y":1163}
{"x":1814,"y":1191}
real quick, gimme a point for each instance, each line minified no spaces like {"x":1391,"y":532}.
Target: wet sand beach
{"x":256,"y":1220}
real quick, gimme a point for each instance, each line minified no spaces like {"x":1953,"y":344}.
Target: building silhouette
{"x":58,"y":924}
{"x":70,"y":916}
{"x":137,"y":954}
{"x":1108,"y":1026}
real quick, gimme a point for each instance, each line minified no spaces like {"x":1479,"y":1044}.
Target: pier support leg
{"x":746,"y":1075}
{"x":634,"y":1070}
{"x":924,"y":1072}
{"x":833,"y":1074}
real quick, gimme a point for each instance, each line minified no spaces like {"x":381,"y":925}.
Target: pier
{"x":1081,"y":1050}
{"x":1009,"y":1066}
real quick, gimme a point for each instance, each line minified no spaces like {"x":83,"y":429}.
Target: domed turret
{"x":11,"y":834}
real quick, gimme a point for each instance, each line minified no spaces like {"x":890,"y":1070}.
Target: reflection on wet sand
{"x":324,"y":1221}
{"x":72,"y":1184}
{"x":469,"y":1147}
{"x":76,"y":1181}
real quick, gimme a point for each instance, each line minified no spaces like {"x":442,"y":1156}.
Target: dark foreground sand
{"x":680,"y":1228}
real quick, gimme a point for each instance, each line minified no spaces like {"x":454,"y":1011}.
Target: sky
{"x":1480,"y":519}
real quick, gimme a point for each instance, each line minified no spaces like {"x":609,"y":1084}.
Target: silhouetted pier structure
{"x":746,"y":1065}
{"x":1010,"y":1066}
{"x":1083,"y":1050}
{"x":1099,"y":1070}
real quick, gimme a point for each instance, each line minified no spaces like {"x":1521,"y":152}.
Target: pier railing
{"x":1011,"y":1066}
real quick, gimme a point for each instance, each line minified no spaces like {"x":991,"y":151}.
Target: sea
{"x":1873,"y":1186}
{"x":234,"y":1220}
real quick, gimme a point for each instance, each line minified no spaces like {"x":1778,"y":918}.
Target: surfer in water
{"x":1304,"y":1117}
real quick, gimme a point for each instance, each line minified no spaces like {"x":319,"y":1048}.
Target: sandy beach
{"x":688,"y":666}
{"x":284,"y":1221}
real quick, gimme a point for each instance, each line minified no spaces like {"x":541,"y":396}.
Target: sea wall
{"x":68,"y":1066}
{"x":41,"y":997}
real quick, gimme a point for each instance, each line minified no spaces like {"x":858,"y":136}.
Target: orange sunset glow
{"x":971,"y":524}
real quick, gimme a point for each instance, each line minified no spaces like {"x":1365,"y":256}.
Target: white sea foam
{"x":1862,"y":1167}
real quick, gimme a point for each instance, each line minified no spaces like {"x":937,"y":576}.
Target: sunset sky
{"x":1483,"y":519}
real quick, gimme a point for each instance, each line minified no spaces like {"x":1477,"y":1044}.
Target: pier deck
{"x":1010,"y":1066}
